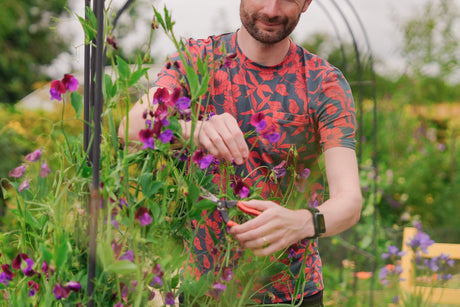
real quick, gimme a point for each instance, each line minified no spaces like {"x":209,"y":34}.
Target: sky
{"x":374,"y":24}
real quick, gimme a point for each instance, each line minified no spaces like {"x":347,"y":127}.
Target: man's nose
{"x":271,"y":8}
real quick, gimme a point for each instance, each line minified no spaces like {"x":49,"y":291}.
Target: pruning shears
{"x":224,"y":205}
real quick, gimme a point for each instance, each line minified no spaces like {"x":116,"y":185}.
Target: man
{"x":309,"y":101}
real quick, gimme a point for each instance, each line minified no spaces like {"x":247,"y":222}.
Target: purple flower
{"x":239,"y":187}
{"x":129,"y":255}
{"x":34,"y":156}
{"x":258,"y":121}
{"x":142,"y":216}
{"x":183,"y":103}
{"x":28,"y":271}
{"x":18,"y":172}
{"x":5,"y":278}
{"x":24,"y":186}
{"x":280,"y":169}
{"x":70,"y":82}
{"x":166,"y":136}
{"x":34,"y":287}
{"x":272,"y":137}
{"x":227,"y":274}
{"x":44,"y":170}
{"x":219,"y":287}
{"x":157,"y":270}
{"x":229,"y":59}
{"x":292,"y":253}
{"x":420,"y":240}
{"x":169,"y":298}
{"x":156,"y":282}
{"x":146,"y":137}
{"x":133,"y":285}
{"x":57,"y":88}
{"x":119,"y":304}
{"x":202,"y":160}
{"x":7,"y":271}
{"x":392,"y":251}
{"x":60,"y":291}
{"x":305,"y":173}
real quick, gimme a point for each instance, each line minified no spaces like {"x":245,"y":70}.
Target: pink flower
{"x":142,"y":216}
{"x":70,"y":83}
{"x":24,"y":186}
{"x":34,"y":156}
{"x":18,"y":172}
{"x":57,"y":88}
{"x":258,"y":121}
{"x":44,"y":170}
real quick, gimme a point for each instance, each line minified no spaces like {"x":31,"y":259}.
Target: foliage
{"x":28,"y":43}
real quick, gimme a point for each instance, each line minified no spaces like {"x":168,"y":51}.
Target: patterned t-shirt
{"x":310,"y":104}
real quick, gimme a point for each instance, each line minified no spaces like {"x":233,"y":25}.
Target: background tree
{"x":27,"y":42}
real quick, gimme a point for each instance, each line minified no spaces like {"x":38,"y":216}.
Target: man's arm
{"x":278,"y":227}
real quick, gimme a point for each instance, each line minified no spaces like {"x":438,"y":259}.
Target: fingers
{"x":220,"y":136}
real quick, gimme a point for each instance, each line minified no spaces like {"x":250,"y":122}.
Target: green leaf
{"x":160,"y":19}
{"x":275,"y":268}
{"x":174,"y":281}
{"x":105,"y":254}
{"x":122,"y":267}
{"x":148,"y":186}
{"x":123,"y":69}
{"x":137,"y":75}
{"x":46,"y":253}
{"x":89,"y":25}
{"x":205,"y":204}
{"x":77,"y":103}
{"x":61,"y":252}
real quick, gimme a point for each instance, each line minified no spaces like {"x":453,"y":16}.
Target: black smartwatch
{"x":318,"y":222}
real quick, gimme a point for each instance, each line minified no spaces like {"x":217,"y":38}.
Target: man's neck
{"x":263,"y":54}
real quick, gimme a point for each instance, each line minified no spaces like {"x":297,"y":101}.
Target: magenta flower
{"x":57,"y":88}
{"x":28,"y":271}
{"x":129,"y":255}
{"x":33,"y":286}
{"x":142,"y":216}
{"x":73,"y":286}
{"x":305,"y":173}
{"x":24,"y":186}
{"x":258,"y":121}
{"x":7,"y":275}
{"x":70,"y":82}
{"x":161,"y":95}
{"x":227,"y":274}
{"x":119,"y":304}
{"x":18,"y":172}
{"x":44,"y":170}
{"x":229,"y":59}
{"x":16,"y":263}
{"x":34,"y":156}
{"x":60,"y":291}
{"x":146,"y":137}
{"x":239,"y":187}
{"x":271,"y":135}
{"x":156,"y":282}
{"x":169,"y":299}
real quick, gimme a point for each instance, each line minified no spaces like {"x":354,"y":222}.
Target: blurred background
{"x":400,"y":57}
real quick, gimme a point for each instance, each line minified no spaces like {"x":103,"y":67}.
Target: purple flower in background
{"x":129,"y":255}
{"x":271,"y":135}
{"x":119,"y":304}
{"x":34,"y":156}
{"x":420,"y":240}
{"x":258,"y":121}
{"x":305,"y":173}
{"x":182,"y":104}
{"x":60,"y":291}
{"x":280,"y":169}
{"x":157,"y":282}
{"x":166,"y":136}
{"x":44,"y":170}
{"x":33,"y":286}
{"x":24,"y":186}
{"x":142,"y":216}
{"x":28,"y":271}
{"x":392,"y":251}
{"x":18,"y":172}
{"x":169,"y":298}
{"x":227,"y":274}
{"x":229,"y":59}
{"x":219,"y":287}
{"x":5,"y":278}
{"x":73,"y":286}
{"x":202,"y":160}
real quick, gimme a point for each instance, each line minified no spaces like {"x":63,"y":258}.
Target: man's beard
{"x":266,"y":37}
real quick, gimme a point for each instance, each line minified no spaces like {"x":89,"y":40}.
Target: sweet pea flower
{"x":201,"y":159}
{"x":166,"y":136}
{"x":57,"y":88}
{"x":142,"y":216}
{"x":392,"y":251}
{"x":420,"y":240}
{"x":169,"y":299}
{"x":18,"y":172}
{"x":44,"y":170}
{"x":129,"y":255}
{"x":34,"y":156}
{"x":146,"y":137}
{"x":24,"y":186}
{"x":28,"y":271}
{"x":73,"y":285}
{"x":271,"y":135}
{"x":258,"y":121}
{"x":280,"y":169}
{"x":70,"y":82}
{"x":60,"y":291}
{"x":33,"y":286}
{"x":239,"y":187}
